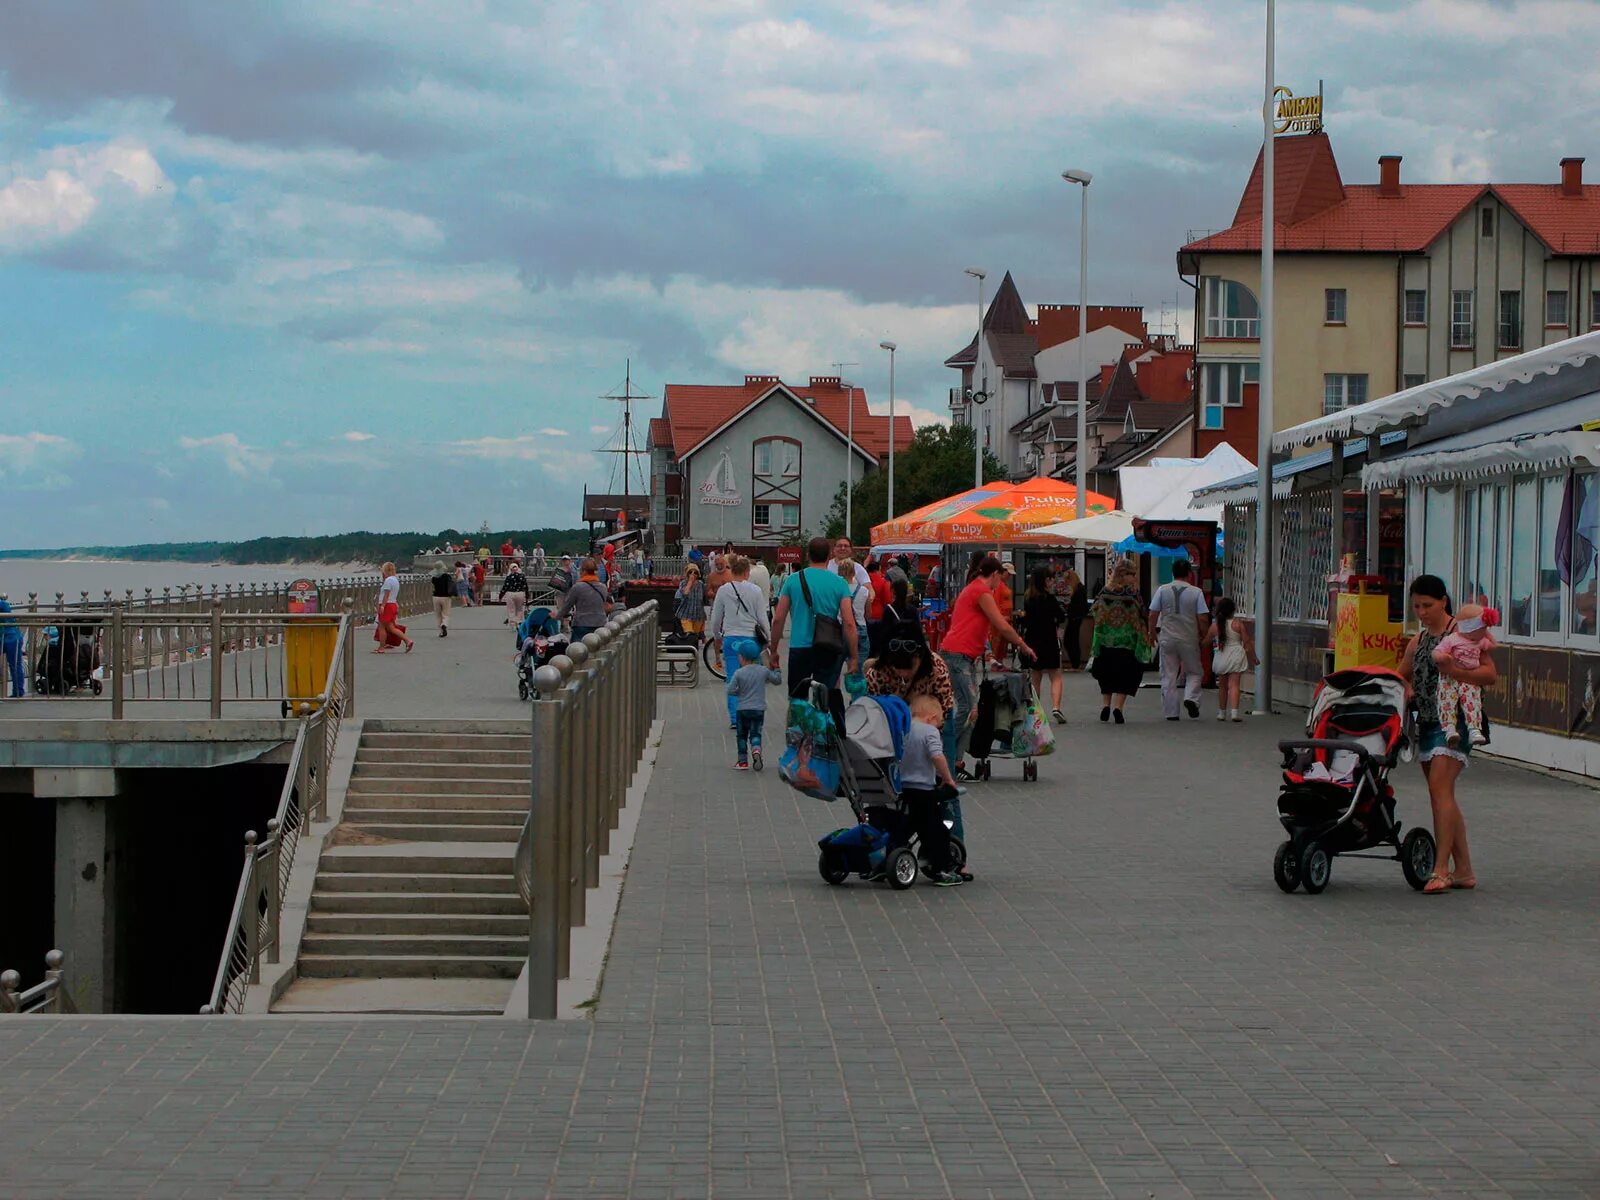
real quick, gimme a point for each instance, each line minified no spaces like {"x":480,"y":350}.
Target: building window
{"x":1461,"y":320}
{"x":674,"y":513}
{"x":1510,"y":336}
{"x":763,"y":458}
{"x":1343,"y":391}
{"x":1222,"y":386}
{"x":777,"y":456}
{"x":1555,"y":309}
{"x":791,"y":515}
{"x":1524,"y":536}
{"x":1486,"y":222}
{"x":1594,"y":310}
{"x":1585,"y":487}
{"x":1411,"y":381}
{"x":1231,"y":310}
{"x":1548,"y":610}
{"x":1416,"y":306}
{"x":762,"y":516}
{"x":1333,"y":304}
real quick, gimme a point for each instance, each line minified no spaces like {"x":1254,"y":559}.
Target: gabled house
{"x":759,"y":463}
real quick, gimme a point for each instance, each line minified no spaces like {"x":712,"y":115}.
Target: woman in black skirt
{"x":1121,"y":643}
{"x":1042,"y":615}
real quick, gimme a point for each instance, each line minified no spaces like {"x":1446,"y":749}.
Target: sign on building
{"x":1297,"y":114}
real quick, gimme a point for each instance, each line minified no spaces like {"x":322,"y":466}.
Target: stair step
{"x":419,"y":923}
{"x":440,"y":903}
{"x":469,"y":743}
{"x":411,"y":832}
{"x":366,"y":753}
{"x":351,"y":860}
{"x":402,"y":768}
{"x":408,"y":883}
{"x":361,"y":815}
{"x":418,"y":997}
{"x":445,"y":945}
{"x":367,"y":784}
{"x":435,"y":801}
{"x":410,"y":966}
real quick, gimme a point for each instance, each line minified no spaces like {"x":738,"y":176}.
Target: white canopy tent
{"x":1102,"y":529}
{"x":1163,"y":490}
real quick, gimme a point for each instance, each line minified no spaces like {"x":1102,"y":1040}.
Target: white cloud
{"x":236,"y":455}
{"x":552,"y":432}
{"x":59,"y":194}
{"x":36,"y":461}
{"x":527,"y":448}
{"x":356,"y":435}
{"x":599,"y":429}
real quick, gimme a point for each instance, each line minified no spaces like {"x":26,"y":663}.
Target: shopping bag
{"x":1032,"y":736}
{"x":810,"y":759}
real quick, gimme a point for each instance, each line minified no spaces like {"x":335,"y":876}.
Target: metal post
{"x":1081,"y":509}
{"x":347,"y":608}
{"x":544,"y":799}
{"x":216,"y":659}
{"x":1265,"y":565}
{"x":849,"y":460}
{"x":977,"y":390}
{"x":890,"y":514}
{"x":1374,"y":508}
{"x":252,"y":927}
{"x":274,"y":860}
{"x":118,"y":661}
{"x":1336,"y":529}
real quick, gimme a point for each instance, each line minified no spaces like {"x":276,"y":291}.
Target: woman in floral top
{"x":1121,"y":644}
{"x":905,"y":667}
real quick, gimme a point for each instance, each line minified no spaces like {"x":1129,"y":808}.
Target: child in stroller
{"x":1336,"y":796}
{"x":892,"y":821}
{"x":68,"y":662}
{"x":538,"y":641}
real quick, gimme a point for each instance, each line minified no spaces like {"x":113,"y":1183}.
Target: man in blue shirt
{"x":830,"y":596}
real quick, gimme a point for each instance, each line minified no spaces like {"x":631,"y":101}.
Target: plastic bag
{"x":810,"y":759}
{"x":1032,"y":736}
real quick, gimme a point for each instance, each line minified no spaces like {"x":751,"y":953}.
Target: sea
{"x":19,"y":576}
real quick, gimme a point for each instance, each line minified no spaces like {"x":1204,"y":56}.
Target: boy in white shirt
{"x":924,"y":780}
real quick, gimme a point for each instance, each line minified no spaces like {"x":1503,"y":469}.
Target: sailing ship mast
{"x":624,"y":437}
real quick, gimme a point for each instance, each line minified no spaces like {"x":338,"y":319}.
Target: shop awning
{"x":1241,"y":489}
{"x":1543,"y":440}
{"x":1488,"y":392}
{"x":1100,"y":530}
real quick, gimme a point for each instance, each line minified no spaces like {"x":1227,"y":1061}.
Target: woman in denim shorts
{"x":1441,"y":762}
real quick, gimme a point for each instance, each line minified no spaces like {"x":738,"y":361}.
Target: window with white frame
{"x":1343,"y":391}
{"x":1231,"y":310}
{"x":1548,"y":602}
{"x":764,"y":458}
{"x":1461,"y":319}
{"x":777,"y":456}
{"x":1555,"y":308}
{"x":1510,"y":320}
{"x":1524,"y":542}
{"x":1334,"y":301}
{"x":761,"y":516}
{"x":1222,"y":386}
{"x":1416,"y":306}
{"x":1438,"y":530}
{"x":790,"y":514}
{"x":674,"y":512}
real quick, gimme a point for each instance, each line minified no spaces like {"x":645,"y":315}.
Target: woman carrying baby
{"x":1434,"y":664}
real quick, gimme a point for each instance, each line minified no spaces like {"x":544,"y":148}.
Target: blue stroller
{"x":538,"y":641}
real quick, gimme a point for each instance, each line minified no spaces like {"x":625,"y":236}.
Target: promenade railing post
{"x":252,"y":927}
{"x":119,"y":661}
{"x":272,"y":863}
{"x":596,"y":829}
{"x":544,"y":798}
{"x":567,"y":751}
{"x":347,"y":607}
{"x":216,"y":658}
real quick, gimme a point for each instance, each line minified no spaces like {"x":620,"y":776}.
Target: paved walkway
{"x":1122,"y":1004}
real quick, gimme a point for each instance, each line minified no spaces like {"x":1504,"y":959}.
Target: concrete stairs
{"x":415,"y":908}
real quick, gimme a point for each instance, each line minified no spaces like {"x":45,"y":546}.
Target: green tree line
{"x":938,"y":463}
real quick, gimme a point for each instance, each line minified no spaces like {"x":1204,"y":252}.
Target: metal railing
{"x":276,"y":597}
{"x":221,"y":655}
{"x":256,"y":919}
{"x":591,"y":717}
{"x":50,"y":996}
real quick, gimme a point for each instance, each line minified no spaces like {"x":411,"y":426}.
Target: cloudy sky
{"x":313,"y":266}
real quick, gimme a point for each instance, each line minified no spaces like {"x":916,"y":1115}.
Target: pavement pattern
{"x":1122,"y":1004}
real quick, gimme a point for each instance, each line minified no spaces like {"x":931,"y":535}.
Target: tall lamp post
{"x":977,"y":393}
{"x":1082,"y":179}
{"x":1264,"y":514}
{"x":891,"y":348}
{"x":849,"y":444}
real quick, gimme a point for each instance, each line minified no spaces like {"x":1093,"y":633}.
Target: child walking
{"x":1461,"y":704}
{"x":1233,"y":656}
{"x":748,"y":687}
{"x":925,"y":783}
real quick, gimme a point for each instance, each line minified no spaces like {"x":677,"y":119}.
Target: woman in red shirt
{"x":972,"y":621}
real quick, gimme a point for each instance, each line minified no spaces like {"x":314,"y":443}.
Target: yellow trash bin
{"x":308,"y":644}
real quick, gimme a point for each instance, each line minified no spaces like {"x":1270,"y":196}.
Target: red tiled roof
{"x":1058,"y":323}
{"x":1317,"y":211}
{"x":660,"y":432}
{"x":693,"y":412}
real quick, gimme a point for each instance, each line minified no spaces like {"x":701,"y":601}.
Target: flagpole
{"x":1265,"y":559}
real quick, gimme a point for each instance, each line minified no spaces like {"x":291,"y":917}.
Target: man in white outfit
{"x":1179,"y":619}
{"x":844,"y":552}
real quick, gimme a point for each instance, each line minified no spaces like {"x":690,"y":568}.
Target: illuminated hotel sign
{"x":1297,"y":114}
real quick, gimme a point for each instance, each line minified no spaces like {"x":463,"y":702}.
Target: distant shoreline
{"x":338,"y":568}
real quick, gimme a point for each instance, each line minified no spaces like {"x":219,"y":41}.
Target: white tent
{"x":1162,"y":490}
{"x":1102,"y":529}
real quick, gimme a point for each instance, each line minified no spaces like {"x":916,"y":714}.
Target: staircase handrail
{"x":49,"y":996}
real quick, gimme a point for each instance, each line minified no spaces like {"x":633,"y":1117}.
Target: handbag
{"x":827,"y":633}
{"x":760,"y":638}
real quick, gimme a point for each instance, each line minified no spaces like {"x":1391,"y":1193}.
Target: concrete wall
{"x":822,"y":469}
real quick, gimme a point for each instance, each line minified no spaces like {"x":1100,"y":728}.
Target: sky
{"x":306,"y":267}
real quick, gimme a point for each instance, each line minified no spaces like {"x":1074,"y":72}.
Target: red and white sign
{"x":788,"y":554}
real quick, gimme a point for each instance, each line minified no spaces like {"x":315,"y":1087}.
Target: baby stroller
{"x":538,"y":641}
{"x":883,"y":842}
{"x":68,"y":662}
{"x":1003,"y":700}
{"x":1336,"y":796}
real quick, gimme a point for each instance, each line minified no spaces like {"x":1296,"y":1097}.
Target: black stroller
{"x":68,"y":662}
{"x":1003,"y":698}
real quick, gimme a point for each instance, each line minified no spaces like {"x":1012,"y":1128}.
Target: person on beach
{"x":390,"y":632}
{"x":587,"y":602}
{"x":1232,"y":655}
{"x":747,"y":696}
{"x":444,"y":584}
{"x":1120,"y":648}
{"x":738,"y":623}
{"x":1042,"y":616}
{"x":514,"y":593}
{"x":1441,"y":761}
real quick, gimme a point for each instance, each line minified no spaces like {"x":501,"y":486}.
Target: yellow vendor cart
{"x":1363,"y":635}
{"x":308,"y":646}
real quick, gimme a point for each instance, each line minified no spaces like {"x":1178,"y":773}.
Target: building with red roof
{"x":759,"y":463}
{"x":1382,"y":286}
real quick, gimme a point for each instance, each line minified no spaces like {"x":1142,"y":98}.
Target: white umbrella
{"x":1102,"y":528}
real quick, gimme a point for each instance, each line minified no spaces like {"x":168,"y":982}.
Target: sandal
{"x":1437,"y":885}
{"x":1464,"y":885}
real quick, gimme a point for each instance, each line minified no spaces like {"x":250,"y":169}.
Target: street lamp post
{"x":977,"y":393}
{"x":891,"y":348}
{"x":1082,"y":179}
{"x":849,"y":445}
{"x":1265,"y":600}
